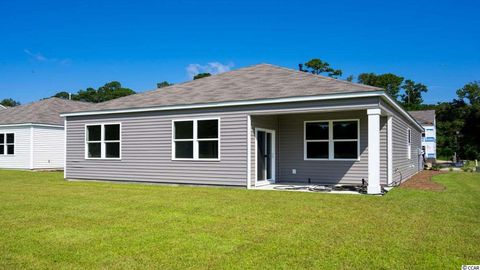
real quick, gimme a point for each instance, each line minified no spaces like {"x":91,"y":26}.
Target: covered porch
{"x":330,"y":148}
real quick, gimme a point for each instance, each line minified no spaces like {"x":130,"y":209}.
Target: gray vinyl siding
{"x":383,"y":150}
{"x":147,"y":145}
{"x":403,"y":167}
{"x":291,"y":156}
{"x":147,"y":151}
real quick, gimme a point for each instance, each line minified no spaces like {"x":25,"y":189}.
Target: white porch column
{"x":389,"y":150}
{"x":373,"y":151}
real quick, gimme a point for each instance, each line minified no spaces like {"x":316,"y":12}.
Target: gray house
{"x":248,"y":127}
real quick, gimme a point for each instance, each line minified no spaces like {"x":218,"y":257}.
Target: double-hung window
{"x":196,"y":139}
{"x":103,"y":141}
{"x":332,"y":140}
{"x":409,"y":143}
{"x":7,"y":143}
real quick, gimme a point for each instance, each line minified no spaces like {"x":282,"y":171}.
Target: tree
{"x":62,"y":95}
{"x":412,"y":98}
{"x":317,"y":66}
{"x":471,"y":92}
{"x":8,"y":102}
{"x":350,"y":78}
{"x":163,"y":84}
{"x":109,"y":91}
{"x":388,"y":81}
{"x":201,"y":75}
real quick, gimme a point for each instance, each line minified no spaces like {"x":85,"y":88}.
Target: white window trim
{"x":274,"y":157}
{"x":102,"y":141}
{"x":331,"y":141}
{"x":5,"y":144}
{"x":195,"y":139}
{"x":409,"y":143}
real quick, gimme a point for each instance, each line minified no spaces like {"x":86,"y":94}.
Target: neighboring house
{"x":247,"y":127}
{"x":2,"y":107}
{"x":32,"y":135}
{"x":429,"y":137}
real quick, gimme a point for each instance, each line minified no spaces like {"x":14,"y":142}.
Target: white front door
{"x":265,"y":141}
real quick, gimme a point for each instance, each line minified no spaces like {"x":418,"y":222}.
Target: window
{"x":317,"y":140}
{"x":196,"y":139}
{"x":332,"y":140}
{"x":409,"y":144}
{"x":103,"y":141}
{"x":7,"y":143}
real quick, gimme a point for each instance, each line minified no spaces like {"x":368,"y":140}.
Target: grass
{"x":46,"y":222}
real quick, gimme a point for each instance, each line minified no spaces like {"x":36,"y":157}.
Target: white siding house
{"x":32,"y":135}
{"x":429,"y":137}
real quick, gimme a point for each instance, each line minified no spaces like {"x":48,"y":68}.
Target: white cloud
{"x":41,"y":58}
{"x":36,"y":56}
{"x":212,"y":68}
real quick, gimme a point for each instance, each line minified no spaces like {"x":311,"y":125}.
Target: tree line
{"x":458,"y":121}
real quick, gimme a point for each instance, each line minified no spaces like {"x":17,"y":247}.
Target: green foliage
{"x":471,"y":92}
{"x":8,"y":102}
{"x":62,"y":95}
{"x":458,"y":125}
{"x":201,"y":75}
{"x":163,"y":84}
{"x":388,"y":81}
{"x":412,"y":97}
{"x":109,"y":91}
{"x":350,"y":78}
{"x":469,"y":166}
{"x":317,"y":66}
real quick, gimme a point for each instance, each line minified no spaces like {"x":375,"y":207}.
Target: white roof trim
{"x":379,"y":93}
{"x":227,"y":103}
{"x":401,"y":110}
{"x":30,"y":124}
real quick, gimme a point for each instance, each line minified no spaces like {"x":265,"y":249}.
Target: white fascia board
{"x":230,"y":103}
{"x":399,"y":108}
{"x":31,"y":124}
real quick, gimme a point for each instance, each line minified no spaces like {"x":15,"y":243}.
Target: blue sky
{"x":50,"y":46}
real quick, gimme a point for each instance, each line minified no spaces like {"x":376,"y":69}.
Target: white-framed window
{"x":7,"y":143}
{"x":103,"y":141}
{"x":196,"y":139}
{"x":332,"y":139}
{"x":409,"y":143}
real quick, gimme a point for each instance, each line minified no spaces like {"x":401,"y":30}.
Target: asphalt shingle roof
{"x":263,"y":81}
{"x":45,"y":111}
{"x":426,"y":117}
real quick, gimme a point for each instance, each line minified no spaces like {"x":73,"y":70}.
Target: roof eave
{"x":376,"y":93}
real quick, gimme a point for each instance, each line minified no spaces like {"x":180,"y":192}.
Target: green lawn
{"x":46,"y":222}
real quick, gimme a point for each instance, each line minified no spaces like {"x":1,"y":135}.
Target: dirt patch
{"x":423,"y":180}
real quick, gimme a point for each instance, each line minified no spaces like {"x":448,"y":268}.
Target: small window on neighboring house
{"x":332,"y":140}
{"x":7,"y":144}
{"x":196,"y":139}
{"x":103,"y":141}
{"x":409,"y":144}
